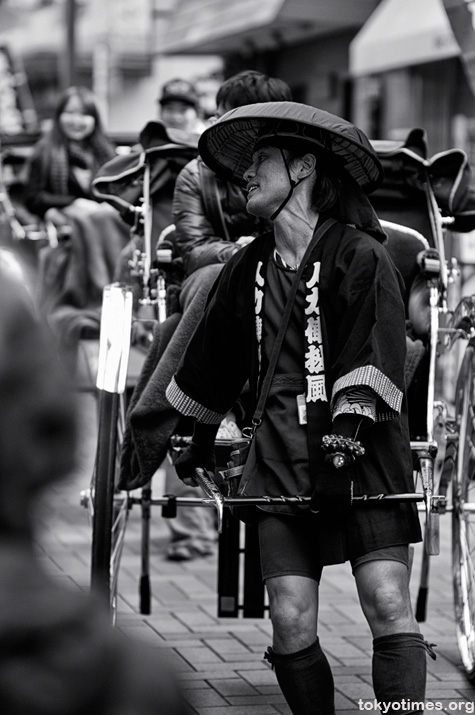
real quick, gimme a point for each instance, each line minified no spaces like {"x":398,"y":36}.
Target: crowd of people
{"x":291,"y":314}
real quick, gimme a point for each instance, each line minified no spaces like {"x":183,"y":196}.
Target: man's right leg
{"x":301,"y":667}
{"x":291,"y":576}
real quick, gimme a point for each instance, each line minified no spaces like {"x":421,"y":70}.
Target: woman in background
{"x":67,"y":158}
{"x":72,"y":275}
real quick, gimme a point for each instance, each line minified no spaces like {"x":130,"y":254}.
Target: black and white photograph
{"x":237,"y":357}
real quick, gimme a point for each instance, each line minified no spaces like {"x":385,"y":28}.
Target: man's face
{"x":179,"y":115}
{"x":267,"y":182}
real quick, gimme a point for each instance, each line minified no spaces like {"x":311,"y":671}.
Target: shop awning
{"x":462,"y":20}
{"x":224,"y":26}
{"x":401,"y":33}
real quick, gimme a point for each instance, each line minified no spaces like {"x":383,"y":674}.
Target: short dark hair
{"x":325,"y":192}
{"x":252,"y":87}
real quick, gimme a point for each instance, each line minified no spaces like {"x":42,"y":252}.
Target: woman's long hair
{"x":56,"y":150}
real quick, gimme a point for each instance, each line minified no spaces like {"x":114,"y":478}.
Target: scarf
{"x":63,"y":156}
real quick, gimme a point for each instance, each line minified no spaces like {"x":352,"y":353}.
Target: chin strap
{"x":293,"y":184}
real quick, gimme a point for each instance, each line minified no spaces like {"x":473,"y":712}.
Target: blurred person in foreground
{"x":334,"y":423}
{"x":59,"y":654}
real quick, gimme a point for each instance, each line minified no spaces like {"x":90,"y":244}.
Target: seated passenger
{"x":210,"y":215}
{"x":67,"y":158}
{"x":60,"y":172}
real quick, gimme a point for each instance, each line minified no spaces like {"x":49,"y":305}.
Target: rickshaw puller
{"x":338,"y":385}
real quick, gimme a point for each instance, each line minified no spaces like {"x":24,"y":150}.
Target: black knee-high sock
{"x":399,"y":669}
{"x":305,"y":679}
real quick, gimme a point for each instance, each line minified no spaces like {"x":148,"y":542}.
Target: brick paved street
{"x":220,"y":660}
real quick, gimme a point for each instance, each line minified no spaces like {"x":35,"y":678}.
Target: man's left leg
{"x":399,"y":650}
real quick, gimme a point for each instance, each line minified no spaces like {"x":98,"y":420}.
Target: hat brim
{"x":178,"y":98}
{"x":227,"y":146}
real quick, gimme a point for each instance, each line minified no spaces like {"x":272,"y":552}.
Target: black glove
{"x":194,"y":456}
{"x":333,"y":489}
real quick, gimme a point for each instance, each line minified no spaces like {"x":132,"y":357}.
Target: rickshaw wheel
{"x":463,"y":518}
{"x":109,"y":506}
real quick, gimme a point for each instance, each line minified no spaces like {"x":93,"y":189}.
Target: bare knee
{"x":383,"y":588}
{"x":290,"y":616}
{"x":388,"y":610}
{"x":389,"y":604}
{"x":294,"y":619}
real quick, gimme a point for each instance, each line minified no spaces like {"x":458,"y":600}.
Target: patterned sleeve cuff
{"x":356,"y":401}
{"x":388,"y":407}
{"x":189,"y":407}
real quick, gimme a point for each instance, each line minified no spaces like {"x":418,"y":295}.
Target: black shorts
{"x":295,"y":555}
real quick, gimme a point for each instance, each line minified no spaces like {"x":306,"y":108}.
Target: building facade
{"x":388,"y":65}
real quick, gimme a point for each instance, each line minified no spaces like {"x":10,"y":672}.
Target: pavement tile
{"x":342,"y":701}
{"x":235,"y":658}
{"x":200,"y":656}
{"x":268,"y":689}
{"x":207,"y":675}
{"x":201,"y":697}
{"x":263,"y":676}
{"x":358,"y":663}
{"x":456,"y":676}
{"x":467,"y":692}
{"x":142,"y":633}
{"x":252,"y":701}
{"x":343,"y":651}
{"x":233,"y":686}
{"x":438,"y":693}
{"x":283,"y":709}
{"x":192,"y":684}
{"x":240,"y":710}
{"x":256,"y":637}
{"x":355,"y":691}
{"x":168,"y":625}
{"x":195,"y":618}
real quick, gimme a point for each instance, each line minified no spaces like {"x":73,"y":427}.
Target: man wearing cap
{"x":330,"y":419}
{"x":179,"y":106}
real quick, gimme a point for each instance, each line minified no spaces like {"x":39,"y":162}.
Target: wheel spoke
{"x":463,"y":517}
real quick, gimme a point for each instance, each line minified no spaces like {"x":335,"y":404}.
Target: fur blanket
{"x":73,"y":274}
{"x":151,"y":419}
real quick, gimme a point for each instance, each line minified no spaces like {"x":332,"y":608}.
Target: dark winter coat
{"x":363,"y":339}
{"x":40,"y":194}
{"x":200,"y":242}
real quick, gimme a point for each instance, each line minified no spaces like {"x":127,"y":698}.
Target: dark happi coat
{"x":354,"y":335}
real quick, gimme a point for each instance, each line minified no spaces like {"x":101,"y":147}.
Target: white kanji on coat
{"x":258,"y":328}
{"x":259,"y":276}
{"x":316,"y":388}
{"x":313,"y":331}
{"x":259,"y":298}
{"x":315,"y":275}
{"x":312,"y":300}
{"x":314,"y":359}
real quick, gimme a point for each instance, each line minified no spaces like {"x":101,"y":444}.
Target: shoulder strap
{"x":212,"y":202}
{"x":321,"y":231}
